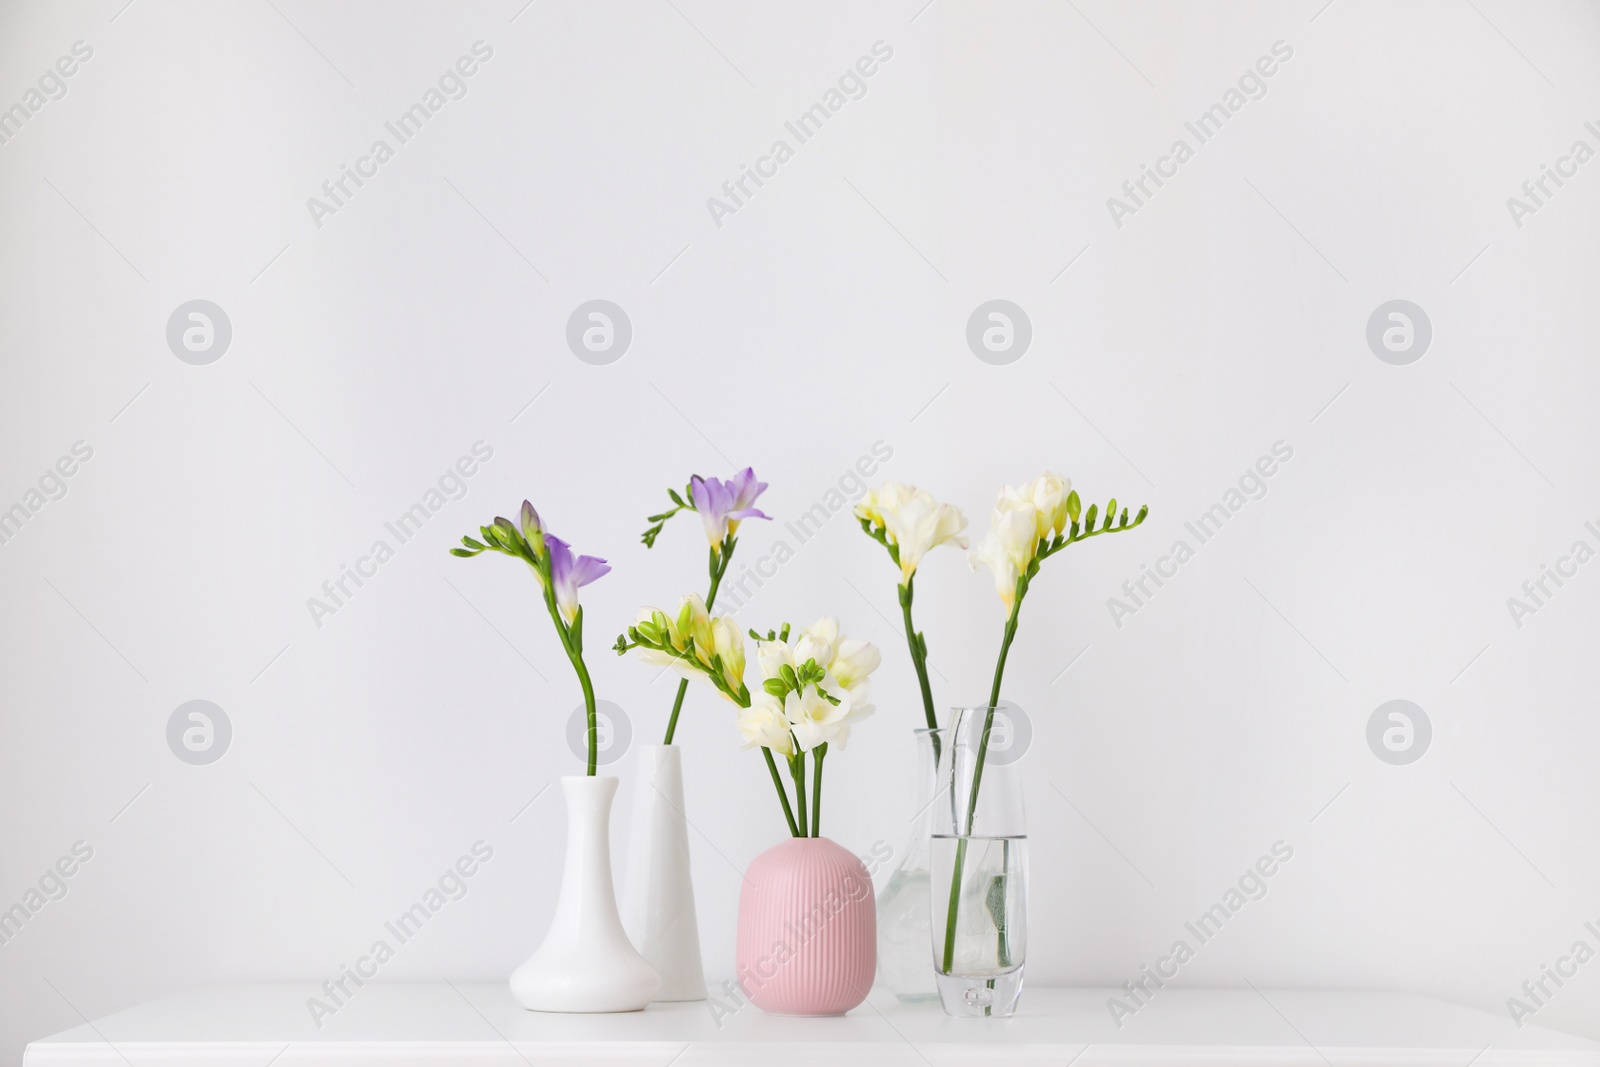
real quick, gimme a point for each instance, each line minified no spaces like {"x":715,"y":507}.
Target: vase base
{"x":916,"y":998}
{"x":980,"y":997}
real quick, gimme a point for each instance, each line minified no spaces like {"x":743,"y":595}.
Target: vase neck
{"x":928,"y":749}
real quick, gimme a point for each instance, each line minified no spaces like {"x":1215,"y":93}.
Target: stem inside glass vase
{"x":948,"y":959}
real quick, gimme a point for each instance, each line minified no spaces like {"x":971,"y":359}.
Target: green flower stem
{"x":719,"y":567}
{"x":797,"y":767}
{"x":816,"y":790}
{"x":783,"y":794}
{"x":919,"y":660}
{"x":977,"y":777}
{"x":588,"y":708}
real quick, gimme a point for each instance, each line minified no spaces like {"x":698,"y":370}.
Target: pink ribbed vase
{"x":808,"y":929}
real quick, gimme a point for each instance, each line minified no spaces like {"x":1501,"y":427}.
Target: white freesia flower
{"x":854,"y":661}
{"x":647,"y":619}
{"x":1012,"y":541}
{"x":763,"y":725}
{"x":1048,"y":494}
{"x":888,"y":497}
{"x":816,"y":720}
{"x":727,"y":641}
{"x":913,"y":521}
{"x":819,"y":642}
{"x":773,"y":656}
{"x":847,"y":664}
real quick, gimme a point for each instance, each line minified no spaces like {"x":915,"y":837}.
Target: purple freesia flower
{"x":570,"y":573}
{"x":722,"y":504}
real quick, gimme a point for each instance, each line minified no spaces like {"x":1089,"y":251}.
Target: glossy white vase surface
{"x":658,"y":903}
{"x":586,"y":963}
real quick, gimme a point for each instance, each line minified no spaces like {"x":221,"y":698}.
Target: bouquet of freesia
{"x":811,"y":691}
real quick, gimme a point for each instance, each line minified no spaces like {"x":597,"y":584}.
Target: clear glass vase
{"x":979,"y":889}
{"x":903,"y":905}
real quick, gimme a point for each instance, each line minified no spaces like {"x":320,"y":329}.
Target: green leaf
{"x":676,"y":499}
{"x":463,"y":553}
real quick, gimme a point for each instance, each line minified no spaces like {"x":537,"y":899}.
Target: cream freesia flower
{"x":816,"y":720}
{"x":854,"y":661}
{"x":772,"y":657}
{"x":1011,"y":543}
{"x":819,"y":642}
{"x":763,"y":725}
{"x":727,"y":641}
{"x":912,"y":521}
{"x":1049,"y":493}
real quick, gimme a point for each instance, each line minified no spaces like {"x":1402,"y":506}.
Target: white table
{"x":478,"y":1024}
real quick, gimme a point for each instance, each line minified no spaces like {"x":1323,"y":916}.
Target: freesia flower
{"x":1011,"y":543}
{"x":845,"y":662}
{"x":532,"y":528}
{"x":569,"y":573}
{"x":819,"y":642}
{"x":723,"y":504}
{"x":816,"y":720}
{"x":727,"y":641}
{"x":1049,"y":493}
{"x":912,"y":521}
{"x":854,"y":660}
{"x":772,"y":657}
{"x":763,"y":725}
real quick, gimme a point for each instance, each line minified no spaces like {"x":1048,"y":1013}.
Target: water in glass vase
{"x":904,"y":966}
{"x":903,"y":936}
{"x":980,"y":967}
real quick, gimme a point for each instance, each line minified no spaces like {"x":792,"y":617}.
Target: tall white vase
{"x":658,"y":905}
{"x":586,"y":963}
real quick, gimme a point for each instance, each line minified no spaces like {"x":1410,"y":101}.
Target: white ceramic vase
{"x":586,"y":963}
{"x":658,"y":904}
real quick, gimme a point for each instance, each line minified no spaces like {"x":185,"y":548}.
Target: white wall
{"x":826,"y":314}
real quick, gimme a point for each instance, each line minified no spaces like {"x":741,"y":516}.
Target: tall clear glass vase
{"x":979,"y":889}
{"x":903,"y":906}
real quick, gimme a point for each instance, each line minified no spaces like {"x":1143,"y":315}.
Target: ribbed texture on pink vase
{"x":808,"y":929}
